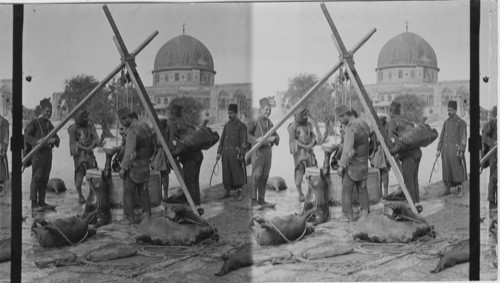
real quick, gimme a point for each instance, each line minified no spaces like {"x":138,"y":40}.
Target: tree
{"x":101,"y":107}
{"x":191,"y":109}
{"x":412,"y":107}
{"x":320,"y":104}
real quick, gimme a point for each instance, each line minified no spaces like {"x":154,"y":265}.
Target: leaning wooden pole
{"x":485,"y":158}
{"x":143,"y":95}
{"x":367,"y":104}
{"x":86,"y":99}
{"x":306,"y":96}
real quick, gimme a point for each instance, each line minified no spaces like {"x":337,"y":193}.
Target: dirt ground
{"x":412,"y":262}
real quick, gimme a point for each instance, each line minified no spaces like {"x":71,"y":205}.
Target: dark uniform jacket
{"x":258,"y":128}
{"x":138,"y":150}
{"x":355,"y":151}
{"x":37,"y":129}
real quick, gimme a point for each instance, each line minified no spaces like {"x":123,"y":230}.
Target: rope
{"x":305,"y":226}
{"x":66,"y":238}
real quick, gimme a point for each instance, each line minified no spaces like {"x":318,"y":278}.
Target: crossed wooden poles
{"x":128,"y":61}
{"x":347,"y":60}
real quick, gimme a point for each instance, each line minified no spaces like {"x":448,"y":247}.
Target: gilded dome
{"x":407,"y":49}
{"x":183,"y":52}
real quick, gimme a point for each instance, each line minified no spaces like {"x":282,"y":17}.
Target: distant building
{"x":184,"y":67}
{"x":407,"y":64}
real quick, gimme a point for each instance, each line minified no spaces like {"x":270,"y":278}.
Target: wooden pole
{"x":485,"y":158}
{"x":87,"y":98}
{"x":367,"y":104}
{"x":307,"y":95}
{"x":141,"y":90}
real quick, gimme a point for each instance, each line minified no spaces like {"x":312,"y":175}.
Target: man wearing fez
{"x":353,"y":165}
{"x":261,"y":159}
{"x":232,"y":149}
{"x":83,"y":139}
{"x":41,"y":161}
{"x":301,"y":141}
{"x":135,"y":164}
{"x":410,"y":159}
{"x":4,"y":144}
{"x":451,"y":148}
{"x":191,"y":162}
{"x":489,"y":138}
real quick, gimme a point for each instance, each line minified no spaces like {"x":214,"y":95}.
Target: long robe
{"x":452,"y":139}
{"x":233,"y":141}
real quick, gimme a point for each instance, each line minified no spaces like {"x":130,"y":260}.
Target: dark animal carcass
{"x":241,"y":258}
{"x":5,"y":250}
{"x":56,"y":185}
{"x":98,"y":199}
{"x":400,"y":226}
{"x":185,"y":228}
{"x":317,"y":196}
{"x":276,"y":184}
{"x":62,"y":231}
{"x":458,"y":254}
{"x":281,"y":229}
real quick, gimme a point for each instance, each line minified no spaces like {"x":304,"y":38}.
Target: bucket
{"x":116,"y":190}
{"x":335,"y":186}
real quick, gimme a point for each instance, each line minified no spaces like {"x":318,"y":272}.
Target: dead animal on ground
{"x":459,"y":253}
{"x":397,"y":195}
{"x":241,"y":258}
{"x":317,"y":198}
{"x":98,"y":199}
{"x":62,"y":231}
{"x":111,"y":251}
{"x":5,"y":250}
{"x":400,"y":225}
{"x":329,"y":249}
{"x":281,"y":229}
{"x":56,"y":185}
{"x":185,"y":229}
{"x":177,"y":197}
{"x":276,"y":184}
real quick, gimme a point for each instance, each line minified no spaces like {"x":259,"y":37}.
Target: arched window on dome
{"x":400,"y":74}
{"x":189,"y":76}
{"x":176,"y":77}
{"x":412,"y":74}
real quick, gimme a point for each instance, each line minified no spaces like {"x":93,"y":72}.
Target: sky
{"x":62,"y":41}
{"x":265,"y":43}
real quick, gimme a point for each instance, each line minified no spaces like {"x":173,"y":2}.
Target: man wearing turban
{"x":301,"y":141}
{"x":83,"y":139}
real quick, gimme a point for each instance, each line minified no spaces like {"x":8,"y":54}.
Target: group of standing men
{"x":237,"y":138}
